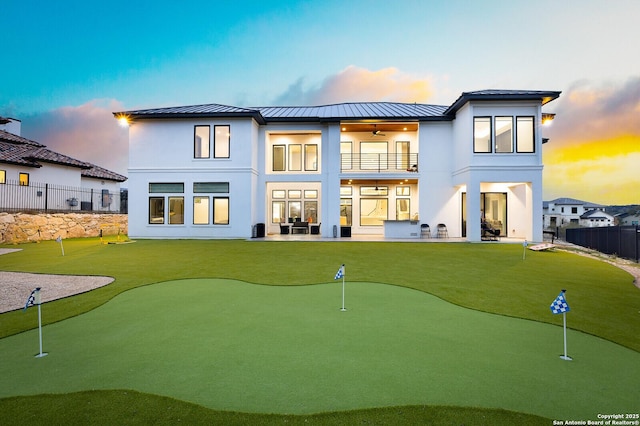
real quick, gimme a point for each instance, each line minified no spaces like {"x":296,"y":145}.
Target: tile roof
{"x":21,"y":151}
{"x":98,"y":172}
{"x":343,"y":111}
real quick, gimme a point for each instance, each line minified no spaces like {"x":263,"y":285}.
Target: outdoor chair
{"x":315,"y":229}
{"x":442,"y":231}
{"x":284,"y":229}
{"x":425,"y":231}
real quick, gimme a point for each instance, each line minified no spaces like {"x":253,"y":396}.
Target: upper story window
{"x":294,"y":153}
{"x":497,"y":134}
{"x":202,"y":141}
{"x":221,"y":141}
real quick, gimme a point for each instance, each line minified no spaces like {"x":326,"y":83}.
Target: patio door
{"x":494,"y":210}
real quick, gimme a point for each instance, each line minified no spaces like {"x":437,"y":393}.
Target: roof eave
{"x":543,"y":96}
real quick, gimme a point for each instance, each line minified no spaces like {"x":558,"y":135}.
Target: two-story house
{"x":569,"y":211}
{"x":215,"y":171}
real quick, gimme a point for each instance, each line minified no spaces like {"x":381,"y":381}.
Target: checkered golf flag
{"x":340,"y":273}
{"x":32,"y":298}
{"x":560,"y":305}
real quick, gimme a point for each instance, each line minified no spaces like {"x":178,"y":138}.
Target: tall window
{"x":220,"y":210}
{"x":403,"y":209}
{"x":279,"y":158}
{"x":402,"y":155}
{"x":524,"y":134}
{"x":504,"y":134}
{"x":156,"y":210}
{"x":176,"y":210}
{"x":295,"y":157}
{"x":346,"y":207}
{"x":482,"y":134}
{"x":221,"y":141}
{"x":311,"y":157}
{"x":200,"y":210}
{"x":3,"y":176}
{"x":23,"y":179}
{"x":201,"y":141}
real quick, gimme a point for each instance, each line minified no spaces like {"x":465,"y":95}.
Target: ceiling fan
{"x":377,"y":132}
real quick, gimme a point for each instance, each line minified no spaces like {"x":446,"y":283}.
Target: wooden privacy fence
{"x":622,"y":241}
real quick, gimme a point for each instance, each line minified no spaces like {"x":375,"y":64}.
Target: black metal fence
{"x":622,"y":241}
{"x":49,"y":197}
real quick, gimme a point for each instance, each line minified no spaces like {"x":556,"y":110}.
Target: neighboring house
{"x":596,"y":218}
{"x":569,"y":211}
{"x":628,"y":219}
{"x":35,"y":177}
{"x":371,"y":168}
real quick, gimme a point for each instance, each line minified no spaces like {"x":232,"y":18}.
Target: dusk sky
{"x":67,"y":65}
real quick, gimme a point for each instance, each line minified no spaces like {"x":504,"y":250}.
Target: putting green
{"x":229,"y":345}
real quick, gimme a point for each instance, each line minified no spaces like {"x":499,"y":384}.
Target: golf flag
{"x":32,"y":299}
{"x":340,"y":273}
{"x":560,"y":305}
{"x":59,"y":239}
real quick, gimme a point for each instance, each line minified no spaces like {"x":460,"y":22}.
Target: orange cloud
{"x":594,"y":151}
{"x":354,"y":84}
{"x":87,"y":133}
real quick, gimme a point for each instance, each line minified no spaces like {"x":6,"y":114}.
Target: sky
{"x":67,"y":65}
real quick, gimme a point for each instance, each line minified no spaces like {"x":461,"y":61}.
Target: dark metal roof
{"x":342,"y":111}
{"x":544,"y":96}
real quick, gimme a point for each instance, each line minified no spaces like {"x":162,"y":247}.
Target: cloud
{"x":354,"y":84}
{"x":587,"y":113}
{"x":594,"y":151}
{"x":88,"y":132}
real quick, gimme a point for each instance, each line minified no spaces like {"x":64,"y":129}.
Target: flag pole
{"x":564,"y":326}
{"x":524,"y":249}
{"x":37,"y":297}
{"x":343,"y":308}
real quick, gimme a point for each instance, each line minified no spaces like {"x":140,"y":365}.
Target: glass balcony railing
{"x":378,"y":163}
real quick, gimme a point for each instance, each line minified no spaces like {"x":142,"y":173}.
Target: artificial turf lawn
{"x":233,"y":346}
{"x":486,"y":277}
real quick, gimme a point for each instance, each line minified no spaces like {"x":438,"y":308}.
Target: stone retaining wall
{"x":24,"y":227}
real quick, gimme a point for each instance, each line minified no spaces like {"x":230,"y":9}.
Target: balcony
{"x":379,"y":163}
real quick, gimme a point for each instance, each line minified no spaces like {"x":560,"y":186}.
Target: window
{"x":345,"y":211}
{"x":373,"y":211}
{"x":156,"y":210}
{"x":311,"y":157}
{"x":402,"y":155}
{"x":176,"y":210}
{"x":374,"y":190}
{"x":201,"y":141}
{"x":295,"y":157}
{"x":166,"y":187}
{"x":3,"y":176}
{"x":221,"y":141}
{"x":23,"y":179}
{"x":345,"y":156}
{"x":373,"y":155}
{"x":295,"y":207}
{"x":504,"y":134}
{"x":574,"y":210}
{"x":200,"y":210}
{"x":311,"y":211}
{"x":215,"y":187}
{"x":524,"y":134}
{"x":482,"y":134}
{"x":403,"y":208}
{"x":221,"y":210}
{"x":279,"y":156}
{"x":278,"y":214}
